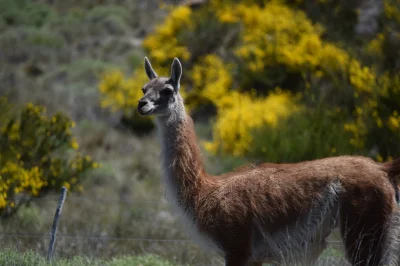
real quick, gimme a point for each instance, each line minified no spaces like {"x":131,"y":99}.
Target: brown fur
{"x":278,"y":194}
{"x":393,"y":170}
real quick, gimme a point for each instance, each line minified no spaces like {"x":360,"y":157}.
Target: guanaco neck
{"x":182,"y":161}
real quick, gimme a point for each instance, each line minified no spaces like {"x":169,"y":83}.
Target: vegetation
{"x":121,"y":94}
{"x":9,"y":257}
{"x":33,"y":158}
{"x":315,"y":133}
{"x":278,"y":81}
{"x":270,"y":47}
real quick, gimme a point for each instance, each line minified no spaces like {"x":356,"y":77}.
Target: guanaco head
{"x":161,"y":95}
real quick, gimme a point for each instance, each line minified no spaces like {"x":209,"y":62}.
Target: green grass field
{"x":12,"y":258}
{"x":331,"y":257}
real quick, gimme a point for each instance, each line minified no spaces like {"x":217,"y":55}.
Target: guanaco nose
{"x":142,"y":103}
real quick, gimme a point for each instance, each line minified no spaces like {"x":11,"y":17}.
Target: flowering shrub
{"x":273,"y":37}
{"x":375,"y":116}
{"x":36,"y":156}
{"x":211,"y":82}
{"x":163,"y":45}
{"x":120,"y":93}
{"x":234,"y":125}
{"x":237,"y":52}
{"x":392,"y":10}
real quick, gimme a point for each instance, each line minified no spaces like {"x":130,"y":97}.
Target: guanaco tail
{"x":274,"y":213}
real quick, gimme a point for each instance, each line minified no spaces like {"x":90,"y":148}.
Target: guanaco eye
{"x":167,"y":91}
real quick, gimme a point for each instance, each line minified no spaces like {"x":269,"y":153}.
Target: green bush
{"x":338,"y":16}
{"x":25,"y":12}
{"x":109,"y":19}
{"x":306,"y":135}
{"x":44,"y":38}
{"x":27,"y":43}
{"x":100,"y":13}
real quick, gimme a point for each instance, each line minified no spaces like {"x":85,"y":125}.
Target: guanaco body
{"x":274,"y":213}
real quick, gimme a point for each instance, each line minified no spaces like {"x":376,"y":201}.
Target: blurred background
{"x":276,"y":81}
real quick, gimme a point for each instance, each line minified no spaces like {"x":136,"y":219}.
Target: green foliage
{"x":44,"y":38}
{"x":100,"y":13}
{"x":75,"y":16}
{"x":35,"y":37}
{"x":135,"y":60}
{"x":108,"y":19}
{"x":36,"y":156}
{"x":30,"y":218}
{"x":303,"y":136}
{"x":25,"y":12}
{"x":339,"y":16}
{"x":85,"y":69}
{"x":37,"y":44}
{"x":9,"y":257}
{"x":385,"y":47}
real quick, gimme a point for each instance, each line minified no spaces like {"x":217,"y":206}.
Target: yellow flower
{"x":362,"y":78}
{"x":392,"y":10}
{"x":74,"y":144}
{"x":162,"y":44}
{"x":3,"y":201}
{"x":394,"y":122}
{"x":67,"y":185}
{"x":232,"y":130}
{"x":211,"y":81}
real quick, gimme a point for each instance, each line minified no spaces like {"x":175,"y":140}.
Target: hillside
{"x":277,"y":81}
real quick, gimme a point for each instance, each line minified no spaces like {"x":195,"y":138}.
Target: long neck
{"x":182,"y":161}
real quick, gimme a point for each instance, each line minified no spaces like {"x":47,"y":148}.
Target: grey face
{"x":160,"y":94}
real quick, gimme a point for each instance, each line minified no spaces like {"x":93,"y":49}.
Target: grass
{"x":29,"y":258}
{"x":13,"y":258}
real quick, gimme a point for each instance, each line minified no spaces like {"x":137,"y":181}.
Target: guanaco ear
{"x":149,"y":70}
{"x":176,"y":73}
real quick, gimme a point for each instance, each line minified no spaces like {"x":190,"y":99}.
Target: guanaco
{"x":273,"y":213}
